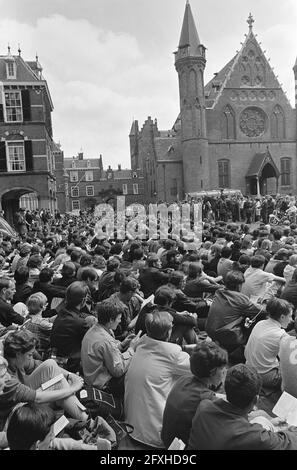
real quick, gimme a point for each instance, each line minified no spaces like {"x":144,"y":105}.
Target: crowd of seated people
{"x":185,"y":336}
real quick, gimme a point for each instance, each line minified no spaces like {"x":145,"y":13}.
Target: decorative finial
{"x":19,"y":50}
{"x":250,"y":21}
{"x":188,"y":3}
{"x":36,"y":57}
{"x":8,"y":48}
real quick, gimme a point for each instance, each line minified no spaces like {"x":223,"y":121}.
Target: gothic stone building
{"x":26,"y":137}
{"x":238,"y":131}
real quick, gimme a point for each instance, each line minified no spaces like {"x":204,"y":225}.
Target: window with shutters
{"x":13,"y":106}
{"x":90,"y":190}
{"x":75,"y":191}
{"x":135,"y":188}
{"x":15,"y":156}
{"x":224,"y":172}
{"x":285,"y":171}
{"x":125,"y":189}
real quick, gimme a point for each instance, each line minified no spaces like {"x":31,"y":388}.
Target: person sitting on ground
{"x":208,"y":364}
{"x":40,"y":327}
{"x":71,"y":325}
{"x":34,"y":265}
{"x":197,"y":284}
{"x":127,"y":303}
{"x":256,"y":280}
{"x":230,"y":305}
{"x":151,"y":277}
{"x":154,"y":369}
{"x":263,"y":346}
{"x":30,"y":427}
{"x":225,"y":263}
{"x":182,"y":302}
{"x":106,"y":281}
{"x":22,"y":288}
{"x":184,"y":323}
{"x":46,"y":286}
{"x":290,"y":291}
{"x":278,"y":262}
{"x":224,"y":424}
{"x":7,"y":313}
{"x":242,"y":264}
{"x":104,"y":359}
{"x":68,"y":273}
{"x":290,"y":268}
{"x":24,"y":377}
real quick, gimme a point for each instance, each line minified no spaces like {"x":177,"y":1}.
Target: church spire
{"x":189,"y":36}
{"x":250,"y":22}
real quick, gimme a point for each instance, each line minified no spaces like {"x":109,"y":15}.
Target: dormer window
{"x":73,"y":164}
{"x":11,"y":69}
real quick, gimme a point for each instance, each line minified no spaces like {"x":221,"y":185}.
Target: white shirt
{"x":154,"y":369}
{"x":256,"y":282}
{"x":263,"y":345}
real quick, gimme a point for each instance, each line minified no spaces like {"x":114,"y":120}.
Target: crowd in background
{"x":183,"y":336}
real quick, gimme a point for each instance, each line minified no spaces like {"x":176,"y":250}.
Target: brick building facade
{"x":26,"y":137}
{"x":89,"y":184}
{"x":238,"y":131}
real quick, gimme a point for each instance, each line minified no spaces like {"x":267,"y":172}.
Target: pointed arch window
{"x":228,"y":123}
{"x":278,"y":128}
{"x":224,"y":173}
{"x":285,"y":171}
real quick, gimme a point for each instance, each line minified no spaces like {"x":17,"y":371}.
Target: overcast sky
{"x":109,"y":61}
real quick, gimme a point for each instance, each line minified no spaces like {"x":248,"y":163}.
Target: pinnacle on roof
{"x":9,"y":56}
{"x":250,"y":22}
{"x":189,"y":35}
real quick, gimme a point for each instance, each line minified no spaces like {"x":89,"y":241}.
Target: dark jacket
{"x":68,"y":331}
{"x":150,"y":279}
{"x":218,"y":425}
{"x":50,"y":290}
{"x":290,"y":293}
{"x":22,"y":293}
{"x":181,"y":406}
{"x":197,"y":287}
{"x":227,"y":306}
{"x":8,"y":315}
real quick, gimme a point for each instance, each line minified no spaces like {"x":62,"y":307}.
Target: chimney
{"x":109,"y":167}
{"x":119,"y":167}
{"x":80,"y":155}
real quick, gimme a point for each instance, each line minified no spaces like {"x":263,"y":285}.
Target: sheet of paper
{"x":149,"y":300}
{"x":177,"y":444}
{"x":286,"y":408}
{"x":52,"y":381}
{"x":60,"y":424}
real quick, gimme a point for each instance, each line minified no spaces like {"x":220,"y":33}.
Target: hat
{"x":23,"y":209}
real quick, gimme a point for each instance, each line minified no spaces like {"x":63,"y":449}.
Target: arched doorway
{"x":268,"y":180}
{"x":263,"y":175}
{"x":10,"y":202}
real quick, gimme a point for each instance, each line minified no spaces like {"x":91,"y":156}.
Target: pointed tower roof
{"x":134,"y":128}
{"x":189,"y":35}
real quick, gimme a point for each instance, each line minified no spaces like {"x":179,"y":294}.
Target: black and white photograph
{"x":148,"y":228}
